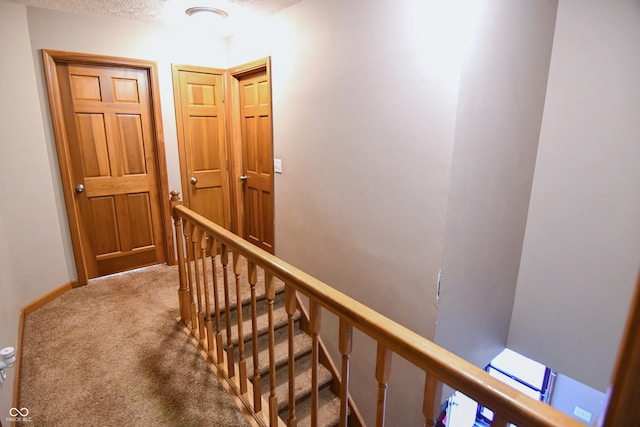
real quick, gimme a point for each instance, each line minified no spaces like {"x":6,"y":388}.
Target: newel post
{"x":183,"y":291}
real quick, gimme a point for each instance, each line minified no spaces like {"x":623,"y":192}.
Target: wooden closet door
{"x":111,"y":146}
{"x":257,"y":159}
{"x":201,"y":139}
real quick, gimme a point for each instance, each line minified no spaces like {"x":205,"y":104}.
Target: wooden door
{"x":108,"y":150}
{"x":201,"y":138}
{"x":257,"y":158}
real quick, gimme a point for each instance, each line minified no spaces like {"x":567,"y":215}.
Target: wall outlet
{"x":582,"y":414}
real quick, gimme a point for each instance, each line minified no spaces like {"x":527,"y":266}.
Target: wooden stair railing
{"x":624,"y":398}
{"x":257,"y":386}
{"x":250,"y":326}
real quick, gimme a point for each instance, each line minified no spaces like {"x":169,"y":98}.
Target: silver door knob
{"x":193,"y":180}
{"x":243,"y":177}
{"x":79,"y":188}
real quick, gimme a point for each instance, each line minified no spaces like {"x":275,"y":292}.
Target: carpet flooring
{"x":112,"y":353}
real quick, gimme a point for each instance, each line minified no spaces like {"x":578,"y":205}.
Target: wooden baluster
{"x":290,"y":307}
{"x":194,"y":312}
{"x":204,"y":243}
{"x":242,"y":363}
{"x":252,"y":273}
{"x":314,"y":325}
{"x":224,"y":258}
{"x":270,"y":292}
{"x":216,"y":302}
{"x":344,"y":345}
{"x":499,"y":421}
{"x":432,"y":397}
{"x":383,"y":373}
{"x":195,"y":240}
{"x":183,"y":290}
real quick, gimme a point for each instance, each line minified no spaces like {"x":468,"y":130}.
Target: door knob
{"x":79,"y":188}
{"x":243,"y":177}
{"x":193,"y":180}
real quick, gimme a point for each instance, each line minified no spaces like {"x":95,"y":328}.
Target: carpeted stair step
{"x":279,"y":319}
{"x":246,"y":293}
{"x":246,"y":299}
{"x":328,"y":411}
{"x":245,"y":290}
{"x":302,"y":382}
{"x":301,"y":346}
{"x":329,"y":403}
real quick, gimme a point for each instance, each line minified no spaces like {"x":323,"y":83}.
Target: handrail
{"x":622,"y":409}
{"x":507,"y":403}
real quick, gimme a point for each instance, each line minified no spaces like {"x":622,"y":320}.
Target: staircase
{"x":268,"y":350}
{"x":215,"y":285}
{"x":328,"y":400}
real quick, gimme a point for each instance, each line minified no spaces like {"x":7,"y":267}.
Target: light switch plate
{"x":277,"y":165}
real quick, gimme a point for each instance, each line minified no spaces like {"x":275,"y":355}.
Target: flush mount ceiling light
{"x":204,"y":10}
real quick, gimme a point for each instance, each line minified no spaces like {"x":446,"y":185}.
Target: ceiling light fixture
{"x":203,"y":9}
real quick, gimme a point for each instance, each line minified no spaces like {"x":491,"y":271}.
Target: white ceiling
{"x":149,"y":9}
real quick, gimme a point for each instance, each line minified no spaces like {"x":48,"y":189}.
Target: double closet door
{"x":226,"y":147}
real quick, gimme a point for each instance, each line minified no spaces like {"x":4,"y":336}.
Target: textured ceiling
{"x":149,"y":9}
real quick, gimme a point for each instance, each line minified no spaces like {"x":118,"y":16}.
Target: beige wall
{"x":498,"y":123}
{"x":31,"y":254}
{"x":9,"y":306}
{"x":364,"y":99}
{"x":582,"y":248}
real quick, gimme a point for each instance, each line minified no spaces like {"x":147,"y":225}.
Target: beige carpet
{"x":111,"y":353}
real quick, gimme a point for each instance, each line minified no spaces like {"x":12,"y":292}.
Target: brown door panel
{"x":203,"y":135}
{"x":257,"y":159}
{"x":201,"y":139}
{"x":108,"y":148}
